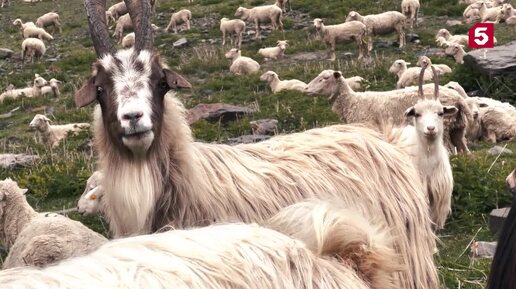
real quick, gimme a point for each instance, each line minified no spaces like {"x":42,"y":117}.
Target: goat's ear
{"x":176,"y":81}
{"x":411,"y":111}
{"x":450,"y":110}
{"x":483,"y":104}
{"x":337,"y":74}
{"x":86,"y":94}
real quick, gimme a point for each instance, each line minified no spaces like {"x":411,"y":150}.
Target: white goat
{"x":380,"y":24}
{"x":278,"y":85}
{"x":276,"y":52}
{"x":52,"y":135}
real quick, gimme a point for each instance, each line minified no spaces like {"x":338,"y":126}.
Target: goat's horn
{"x":140,"y":12}
{"x":421,"y":93}
{"x":436,"y":82}
{"x":96,"y":12}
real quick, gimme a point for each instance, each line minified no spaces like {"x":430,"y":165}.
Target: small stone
{"x":215,"y":112}
{"x":6,"y":53}
{"x":251,"y":138}
{"x":264,"y":126}
{"x":497,"y":218}
{"x":251,"y":32}
{"x":452,"y":23}
{"x":180,"y":43}
{"x":412,"y":37}
{"x":497,"y":150}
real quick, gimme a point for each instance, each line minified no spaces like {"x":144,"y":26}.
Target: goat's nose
{"x":430,"y":128}
{"x":133,"y":116}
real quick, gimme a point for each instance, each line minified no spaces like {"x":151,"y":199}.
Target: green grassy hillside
{"x":57,"y":179}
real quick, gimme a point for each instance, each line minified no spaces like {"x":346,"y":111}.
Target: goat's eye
{"x":163,"y":84}
{"x":440,"y":113}
{"x":417,"y":115}
{"x":100,"y":90}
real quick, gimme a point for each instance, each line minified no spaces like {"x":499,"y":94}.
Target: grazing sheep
{"x":275,"y":52}
{"x":32,"y":48}
{"x":18,"y":22}
{"x":115,"y":11}
{"x":345,"y":32}
{"x":381,"y":24}
{"x":123,"y":22}
{"x":52,"y":135}
{"x":423,"y":140}
{"x":235,"y":27}
{"x":283,"y":5}
{"x":278,"y":85}
{"x":458,"y":39}
{"x":241,"y":65}
{"x":410,"y":8}
{"x":261,"y":14}
{"x":457,"y":51}
{"x":164,"y":177}
{"x":128,"y":40}
{"x":49,"y":19}
{"x":52,"y":88}
{"x":307,"y":252}
{"x":36,"y":32}
{"x":379,"y":108}
{"x":89,"y":203}
{"x":33,"y":91}
{"x":39,"y":239}
{"x":178,"y":18}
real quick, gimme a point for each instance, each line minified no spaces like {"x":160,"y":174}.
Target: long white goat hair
{"x":226,"y":256}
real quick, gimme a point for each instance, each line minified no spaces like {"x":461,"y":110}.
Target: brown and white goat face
{"x":130,"y":88}
{"x":428,"y":117}
{"x":39,"y":122}
{"x":326,"y":83}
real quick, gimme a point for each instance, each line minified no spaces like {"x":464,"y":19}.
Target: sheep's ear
{"x":483,"y":104}
{"x":337,"y":74}
{"x":352,"y":13}
{"x":24,"y":191}
{"x":86,"y":94}
{"x":411,"y":111}
{"x":450,"y":110}
{"x":408,"y":63}
{"x":176,"y":81}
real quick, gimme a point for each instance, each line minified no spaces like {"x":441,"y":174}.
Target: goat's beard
{"x":139,"y":144}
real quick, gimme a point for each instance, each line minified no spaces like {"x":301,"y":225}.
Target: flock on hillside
{"x":352,"y":205}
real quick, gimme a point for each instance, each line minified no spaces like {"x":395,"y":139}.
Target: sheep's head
{"x":352,"y":16}
{"x":90,"y":199}
{"x":130,"y":85}
{"x":239,"y":12}
{"x":233,"y":53}
{"x":54,"y":82}
{"x":398,"y":65}
{"x":39,"y":122}
{"x":327,"y":83}
{"x":318,"y":22}
{"x":17,"y":22}
{"x":424,"y":61}
{"x":39,"y":81}
{"x":9,"y":189}
{"x":441,"y":41}
{"x":282,"y":44}
{"x":453,"y":49}
{"x":443,"y":33}
{"x":268,"y":76}
{"x":428,"y":113}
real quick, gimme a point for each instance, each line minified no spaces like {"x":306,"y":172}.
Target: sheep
{"x":39,"y":239}
{"x":410,"y":8}
{"x":440,"y":68}
{"x":506,"y":12}
{"x":178,"y":18}
{"x":471,"y":14}
{"x":345,"y":32}
{"x":283,"y":5}
{"x":18,"y":22}
{"x":115,"y":11}
{"x":89,"y":202}
{"x":52,"y":88}
{"x":36,"y":32}
{"x":33,"y":91}
{"x":32,"y":48}
{"x":275,"y":52}
{"x":234,"y":26}
{"x":442,"y":42}
{"x":407,"y":76}
{"x":355,"y":82}
{"x":52,"y":135}
{"x":241,"y":65}
{"x":488,"y":14}
{"x":457,"y":51}
{"x":380,"y":24}
{"x":5,"y":3}
{"x":164,"y":177}
{"x":278,"y":85}
{"x":378,"y":108}
{"x":49,"y":19}
{"x":423,"y":140}
{"x":458,"y":39}
{"x":497,"y":125}
{"x":261,"y":14}
{"x":307,"y":252}
{"x":128,"y":40}
{"x":123,"y":22}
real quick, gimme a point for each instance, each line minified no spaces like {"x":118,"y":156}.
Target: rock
{"x":180,"y":43}
{"x":412,"y":37}
{"x":264,"y":126}
{"x":251,"y":32}
{"x":215,"y":112}
{"x":383,"y":44}
{"x":452,"y":23}
{"x":10,"y":161}
{"x":250,"y":138}
{"x":482,"y":249}
{"x":431,"y":52}
{"x":493,"y":61}
{"x":6,"y":53}
{"x":55,"y":59}
{"x":496,"y":150}
{"x":497,"y":218}
{"x":308,"y":56}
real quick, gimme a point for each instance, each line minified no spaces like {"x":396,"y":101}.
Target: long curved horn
{"x":436,"y":82}
{"x":96,"y":12}
{"x":140,"y":12}
{"x":421,"y":93}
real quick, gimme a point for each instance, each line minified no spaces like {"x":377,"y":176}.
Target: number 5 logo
{"x":481,"y":35}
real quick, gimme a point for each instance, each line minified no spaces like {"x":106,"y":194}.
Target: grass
{"x":57,"y":179}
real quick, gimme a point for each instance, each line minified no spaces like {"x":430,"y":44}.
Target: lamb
{"x":234,"y":26}
{"x":49,"y":19}
{"x":115,"y":11}
{"x":380,"y":24}
{"x":262,"y":14}
{"x":52,"y":88}
{"x":423,"y":140}
{"x":278,"y":85}
{"x":410,"y":76}
{"x":410,"y":8}
{"x":178,"y":18}
{"x":18,"y":22}
{"x":274,"y":52}
{"x":89,"y":203}
{"x":123,"y":22}
{"x":314,"y":254}
{"x":52,"y":135}
{"x":488,"y":14}
{"x":128,"y":40}
{"x":345,"y":32}
{"x":32,"y":48}
{"x":457,"y":51}
{"x":241,"y":65}
{"x":33,"y":91}
{"x":379,"y":108}
{"x":458,"y":39}
{"x":165,"y":177}
{"x":39,"y":239}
